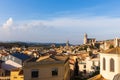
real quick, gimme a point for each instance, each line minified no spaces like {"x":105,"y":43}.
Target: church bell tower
{"x":85,"y":39}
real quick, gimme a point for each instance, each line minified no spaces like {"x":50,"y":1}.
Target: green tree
{"x":111,"y":46}
{"x":90,"y":53}
{"x":76,"y":70}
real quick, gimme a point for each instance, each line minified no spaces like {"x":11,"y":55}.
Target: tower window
{"x":104,"y":64}
{"x":112,"y":65}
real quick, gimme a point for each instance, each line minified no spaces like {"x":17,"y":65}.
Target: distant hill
{"x":28,"y":44}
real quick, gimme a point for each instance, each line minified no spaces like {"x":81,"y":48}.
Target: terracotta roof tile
{"x":97,"y":77}
{"x":113,"y":51}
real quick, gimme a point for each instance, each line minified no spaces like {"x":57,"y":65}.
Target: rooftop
{"x":117,"y":77}
{"x":55,"y":58}
{"x":97,"y":77}
{"x":49,"y":60}
{"x":113,"y":50}
{"x":21,"y":56}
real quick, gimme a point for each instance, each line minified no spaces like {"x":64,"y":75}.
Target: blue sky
{"x":59,"y":20}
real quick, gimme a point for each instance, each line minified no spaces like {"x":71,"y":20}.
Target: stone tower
{"x":116,"y":43}
{"x":67,"y":43}
{"x":85,"y":39}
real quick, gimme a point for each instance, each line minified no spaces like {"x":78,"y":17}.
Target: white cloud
{"x":5,"y":29}
{"x":83,"y":22}
{"x":64,"y":22}
{"x":64,"y":27}
{"x":7,"y":24}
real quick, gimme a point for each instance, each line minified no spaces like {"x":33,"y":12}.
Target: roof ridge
{"x":115,"y":50}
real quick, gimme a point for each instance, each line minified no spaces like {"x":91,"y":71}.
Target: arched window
{"x":104,"y":64}
{"x":112,"y":65}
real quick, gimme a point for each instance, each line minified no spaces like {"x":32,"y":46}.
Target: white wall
{"x":81,"y":67}
{"x":89,"y":64}
{"x":106,"y":73}
{"x":9,"y":64}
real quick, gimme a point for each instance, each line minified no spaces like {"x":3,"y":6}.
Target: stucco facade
{"x":45,"y":70}
{"x":107,"y":73}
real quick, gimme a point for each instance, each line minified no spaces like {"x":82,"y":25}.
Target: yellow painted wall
{"x":15,"y":75}
{"x":45,"y":72}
